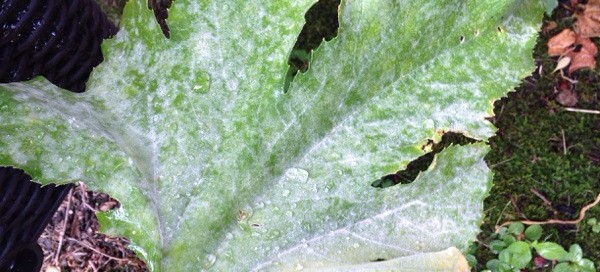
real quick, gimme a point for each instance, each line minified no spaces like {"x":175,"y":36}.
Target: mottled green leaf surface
{"x":448,"y":260}
{"x":216,"y":167}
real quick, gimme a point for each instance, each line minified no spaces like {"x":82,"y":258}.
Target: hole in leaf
{"x":321,"y":23}
{"x":423,"y":162}
{"x":161,"y":13}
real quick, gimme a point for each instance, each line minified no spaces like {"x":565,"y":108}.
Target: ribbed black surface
{"x":57,"y":39}
{"x":25,"y":210}
{"x":60,"y":40}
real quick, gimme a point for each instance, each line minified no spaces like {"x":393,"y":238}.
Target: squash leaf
{"x":216,"y":167}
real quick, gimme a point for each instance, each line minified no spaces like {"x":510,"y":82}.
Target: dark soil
{"x":71,"y":243}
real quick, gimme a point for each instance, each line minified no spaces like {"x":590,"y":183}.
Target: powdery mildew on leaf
{"x":216,"y":168}
{"x":447,"y":260}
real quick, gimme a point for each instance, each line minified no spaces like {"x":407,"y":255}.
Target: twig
{"x":502,"y":162}
{"x":501,"y":110}
{"x":91,"y":264}
{"x":582,"y":110}
{"x":570,"y":80}
{"x":542,"y":197}
{"x":482,"y":243}
{"x":64,"y":228}
{"x":513,"y":201}
{"x":105,"y":263}
{"x":97,"y":251}
{"x":564,"y":142}
{"x":500,"y":216}
{"x":556,"y":221}
{"x":90,"y":207}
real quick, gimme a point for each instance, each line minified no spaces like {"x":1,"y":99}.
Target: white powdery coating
{"x":218,"y":169}
{"x":184,"y":120}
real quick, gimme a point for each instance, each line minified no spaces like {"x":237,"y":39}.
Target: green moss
{"x":542,"y":147}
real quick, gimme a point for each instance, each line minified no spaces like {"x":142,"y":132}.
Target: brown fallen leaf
{"x":587,"y":44}
{"x":588,"y":20}
{"x":559,"y":44}
{"x":580,"y":61}
{"x":585,"y":57}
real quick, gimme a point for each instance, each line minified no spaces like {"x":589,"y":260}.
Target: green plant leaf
{"x":215,"y":167}
{"x":447,"y":260}
{"x":575,"y":253}
{"x":497,"y":246}
{"x":586,"y":265}
{"x":565,"y":267}
{"x":505,"y":267}
{"x":493,"y":265}
{"x":509,"y":239}
{"x":471,"y":260}
{"x":551,"y":251}
{"x":517,"y":254}
{"x":516,"y":228}
{"x":501,"y":233}
{"x":533,"y":232}
{"x":592,"y":221}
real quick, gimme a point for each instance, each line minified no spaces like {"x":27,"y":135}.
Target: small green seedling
{"x":595,"y":224}
{"x":514,"y":246}
{"x":470,"y":255}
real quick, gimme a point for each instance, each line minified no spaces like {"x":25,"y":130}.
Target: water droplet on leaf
{"x":275,"y":234}
{"x":202,"y":83}
{"x":296,"y":175}
{"x":209,"y":261}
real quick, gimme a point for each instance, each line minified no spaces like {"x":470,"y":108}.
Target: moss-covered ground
{"x":540,"y":147}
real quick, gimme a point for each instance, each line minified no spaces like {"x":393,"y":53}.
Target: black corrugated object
{"x":57,"y":39}
{"x":60,"y":40}
{"x":25,"y":210}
